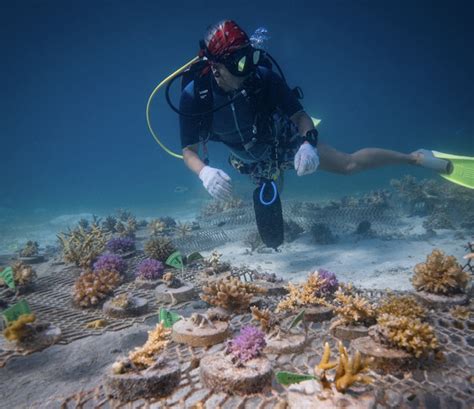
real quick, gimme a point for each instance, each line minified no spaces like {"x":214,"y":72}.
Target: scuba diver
{"x":231,"y":94}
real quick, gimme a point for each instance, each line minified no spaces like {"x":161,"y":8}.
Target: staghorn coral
{"x":20,"y":329}
{"x":159,"y":248}
{"x":82,"y":246}
{"x":23,"y":274}
{"x":402,"y":306}
{"x":267,"y":320}
{"x":145,"y":356}
{"x":352,"y":309}
{"x":348,"y":369}
{"x":90,"y":288}
{"x":121,"y":245}
{"x":303,"y":295}
{"x":109,"y":224}
{"x":230,"y":293}
{"x":247,"y":345}
{"x":157,"y":227}
{"x":31,"y":249}
{"x":440,"y":274}
{"x":150,"y":269}
{"x":409,"y":334}
{"x":110,"y":262}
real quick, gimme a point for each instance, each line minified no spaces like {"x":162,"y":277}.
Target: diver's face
{"x":225,"y":79}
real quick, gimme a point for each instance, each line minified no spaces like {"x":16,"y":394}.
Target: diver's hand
{"x":306,"y":159}
{"x":216,"y":182}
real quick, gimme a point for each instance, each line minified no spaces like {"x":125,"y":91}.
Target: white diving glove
{"x":216,"y":182}
{"x":306,"y":159}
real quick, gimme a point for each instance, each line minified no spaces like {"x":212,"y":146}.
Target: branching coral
{"x":219,"y":206}
{"x":303,"y":295}
{"x":352,"y":309}
{"x":110,"y":262}
{"x":402,"y":306}
{"x":409,"y":334}
{"x":23,"y":274}
{"x":146,"y":355}
{"x":157,"y":227}
{"x":183,"y":229}
{"x":348,"y":369}
{"x":459,"y":312}
{"x":266,"y":319}
{"x":150,"y":269}
{"x":247,"y":345}
{"x":31,"y":249}
{"x":122,"y":301}
{"x":20,"y":329}
{"x":121,"y":245}
{"x":82,"y":246}
{"x":90,"y":288}
{"x":230,"y":293}
{"x":159,"y":248}
{"x":440,"y":274}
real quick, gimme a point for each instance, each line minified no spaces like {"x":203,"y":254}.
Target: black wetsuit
{"x":234,"y":125}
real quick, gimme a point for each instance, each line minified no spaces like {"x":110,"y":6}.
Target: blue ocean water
{"x":76,"y":77}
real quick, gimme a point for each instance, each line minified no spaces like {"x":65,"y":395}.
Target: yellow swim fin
{"x":462,"y":172}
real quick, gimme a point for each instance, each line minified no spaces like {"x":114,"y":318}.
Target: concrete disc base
{"x":311,"y":395}
{"x":220,"y":374}
{"x":318,"y":314}
{"x":350,"y":332}
{"x":441,"y":301}
{"x":287,"y":344}
{"x":186,"y":332}
{"x":385,"y":359}
{"x":42,"y":338}
{"x":138,"y":307}
{"x":147,"y":284}
{"x":167,"y":295}
{"x":146,"y":384}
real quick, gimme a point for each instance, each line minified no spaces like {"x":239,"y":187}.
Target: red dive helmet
{"x":226,"y":43}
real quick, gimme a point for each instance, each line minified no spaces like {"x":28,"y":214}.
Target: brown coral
{"x":461,"y":313}
{"x":159,"y":248}
{"x":266,"y":319}
{"x":303,"y":295}
{"x":146,"y":355}
{"x":82,"y":246}
{"x":230,"y":293}
{"x":409,"y":334}
{"x":440,"y":274}
{"x":23,"y":274}
{"x":352,"y":309}
{"x":91,"y":287}
{"x":20,"y":329}
{"x":402,"y":306}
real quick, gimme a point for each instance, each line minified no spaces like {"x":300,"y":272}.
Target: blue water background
{"x":75,"y":78}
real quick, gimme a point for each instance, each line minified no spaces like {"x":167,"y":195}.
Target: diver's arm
{"x":303,"y":121}
{"x":191,"y":158}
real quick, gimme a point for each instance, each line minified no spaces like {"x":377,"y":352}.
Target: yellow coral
{"x":349,"y":370}
{"x":96,"y":324}
{"x":230,"y":293}
{"x":19,"y":329}
{"x":407,"y":333}
{"x":440,"y":274}
{"x":146,"y":355}
{"x":352,"y":309}
{"x":303,"y":295}
{"x":402,"y":306}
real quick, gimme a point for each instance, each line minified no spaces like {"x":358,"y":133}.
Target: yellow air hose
{"x":167,"y":79}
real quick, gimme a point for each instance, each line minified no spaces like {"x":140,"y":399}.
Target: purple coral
{"x":331,"y":284}
{"x":247,"y":345}
{"x":121,"y":245}
{"x":150,"y":269}
{"x":110,"y":262}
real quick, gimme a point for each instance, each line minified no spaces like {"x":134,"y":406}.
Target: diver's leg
{"x":332,"y":160}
